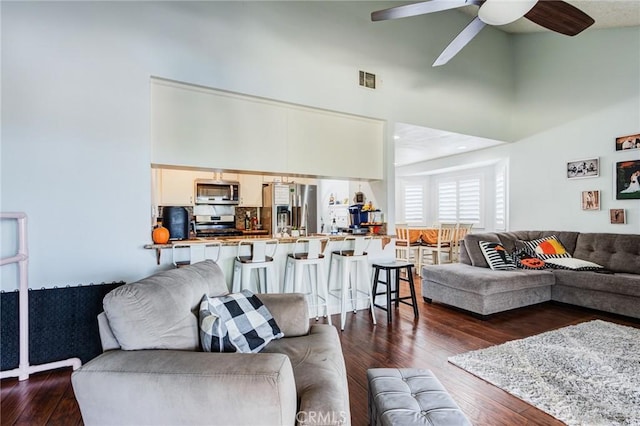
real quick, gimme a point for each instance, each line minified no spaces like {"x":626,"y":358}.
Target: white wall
{"x":574,"y":97}
{"x":75,"y":102}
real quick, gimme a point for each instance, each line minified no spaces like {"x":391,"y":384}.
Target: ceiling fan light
{"x":502,"y":12}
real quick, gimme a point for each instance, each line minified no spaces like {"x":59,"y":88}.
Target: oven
{"x":215,"y":220}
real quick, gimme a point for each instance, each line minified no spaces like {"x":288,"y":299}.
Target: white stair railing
{"x":22,"y":259}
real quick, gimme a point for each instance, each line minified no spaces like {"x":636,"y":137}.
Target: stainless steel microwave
{"x":216,"y":192}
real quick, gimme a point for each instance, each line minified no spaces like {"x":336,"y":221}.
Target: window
{"x":501,"y":205}
{"x":459,"y":200}
{"x":413,"y":203}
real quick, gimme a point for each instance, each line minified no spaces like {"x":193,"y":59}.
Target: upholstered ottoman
{"x":410,"y":396}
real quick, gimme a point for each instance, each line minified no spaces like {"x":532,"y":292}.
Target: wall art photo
{"x":591,"y":200}
{"x":617,"y":216}
{"x":583,"y":168}
{"x":627,"y":180}
{"x":628,"y":142}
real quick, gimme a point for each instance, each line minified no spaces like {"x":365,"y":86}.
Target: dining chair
{"x":406,"y":250}
{"x":442,"y":245}
{"x":463,"y":229}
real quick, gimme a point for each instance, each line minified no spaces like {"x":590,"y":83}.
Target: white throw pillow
{"x":573,"y":264}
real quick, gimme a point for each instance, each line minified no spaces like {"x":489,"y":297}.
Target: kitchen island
{"x":380,"y":249}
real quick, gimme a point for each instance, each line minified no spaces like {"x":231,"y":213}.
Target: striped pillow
{"x":546,"y":248}
{"x":496,"y":255}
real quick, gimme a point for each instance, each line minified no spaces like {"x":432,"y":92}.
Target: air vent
{"x":367,"y":80}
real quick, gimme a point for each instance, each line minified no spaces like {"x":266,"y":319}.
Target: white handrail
{"x":22,"y":259}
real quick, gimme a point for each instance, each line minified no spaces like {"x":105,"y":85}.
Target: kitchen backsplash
{"x":240,"y":215}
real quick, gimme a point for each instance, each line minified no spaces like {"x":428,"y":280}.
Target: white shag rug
{"x":585,"y":374}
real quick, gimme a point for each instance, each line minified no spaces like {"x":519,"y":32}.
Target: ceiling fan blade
{"x":461,"y":40}
{"x":559,"y":16}
{"x":420,"y":8}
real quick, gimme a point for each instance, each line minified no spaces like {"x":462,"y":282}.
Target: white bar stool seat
{"x":308,"y":253}
{"x":260,"y":260}
{"x":197,"y":252}
{"x":344,"y":287}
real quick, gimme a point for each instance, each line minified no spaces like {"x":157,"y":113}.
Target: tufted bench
{"x":410,"y":396}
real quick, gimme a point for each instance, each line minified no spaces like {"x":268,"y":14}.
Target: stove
{"x":218,"y":232}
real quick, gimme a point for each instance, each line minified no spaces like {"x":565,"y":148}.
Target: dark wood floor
{"x":47,"y":398}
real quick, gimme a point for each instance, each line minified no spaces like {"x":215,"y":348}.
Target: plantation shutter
{"x":413,"y":203}
{"x":447,"y":201}
{"x":501,"y":205}
{"x":459,"y":200}
{"x":469,"y":200}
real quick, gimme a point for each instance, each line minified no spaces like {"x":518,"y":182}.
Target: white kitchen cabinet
{"x":250,"y":190}
{"x":207,"y":128}
{"x":176,"y":186}
{"x":332,"y":144}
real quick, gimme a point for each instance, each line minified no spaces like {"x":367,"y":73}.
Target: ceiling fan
{"x":556,"y":15}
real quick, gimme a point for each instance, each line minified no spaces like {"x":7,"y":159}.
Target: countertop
{"x":232,"y":241}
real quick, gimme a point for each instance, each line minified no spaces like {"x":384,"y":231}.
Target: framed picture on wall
{"x":591,"y":200}
{"x":586,"y":168}
{"x":628,"y":142}
{"x":627,"y":180}
{"x":617,"y":216}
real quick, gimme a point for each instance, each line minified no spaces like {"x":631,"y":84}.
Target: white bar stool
{"x":259,"y":260}
{"x":341,"y":261}
{"x":307,"y":254}
{"x":197,"y":252}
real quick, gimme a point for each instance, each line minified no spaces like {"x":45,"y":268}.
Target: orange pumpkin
{"x":160,"y":235}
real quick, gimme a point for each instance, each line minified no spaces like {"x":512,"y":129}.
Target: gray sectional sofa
{"x":471,"y":285}
{"x":153,"y":372}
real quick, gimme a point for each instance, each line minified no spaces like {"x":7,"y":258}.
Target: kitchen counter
{"x":232,"y":241}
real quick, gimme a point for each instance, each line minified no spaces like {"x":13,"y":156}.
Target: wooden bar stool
{"x":393,"y":295}
{"x":308,"y":253}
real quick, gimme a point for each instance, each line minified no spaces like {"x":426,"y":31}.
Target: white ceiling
{"x":414,"y":144}
{"x":606,"y":13}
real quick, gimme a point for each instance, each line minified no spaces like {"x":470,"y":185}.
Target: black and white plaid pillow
{"x":239,"y":321}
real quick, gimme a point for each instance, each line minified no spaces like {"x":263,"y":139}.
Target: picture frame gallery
{"x":586,"y":168}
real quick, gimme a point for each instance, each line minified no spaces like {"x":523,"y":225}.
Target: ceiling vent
{"x":367,"y":80}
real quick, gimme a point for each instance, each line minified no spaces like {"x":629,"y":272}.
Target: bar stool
{"x":396,"y":267}
{"x":341,"y":261}
{"x":308,"y":253}
{"x":259,"y":260}
{"x":197,"y":252}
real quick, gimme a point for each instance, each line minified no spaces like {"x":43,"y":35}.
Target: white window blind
{"x":413,"y":203}
{"x":459,"y":200}
{"x":501,"y":206}
{"x":448,"y":201}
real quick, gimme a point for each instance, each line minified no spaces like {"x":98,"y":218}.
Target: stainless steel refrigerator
{"x":289,"y":206}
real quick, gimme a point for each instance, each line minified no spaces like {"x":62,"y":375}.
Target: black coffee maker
{"x":176,"y":220}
